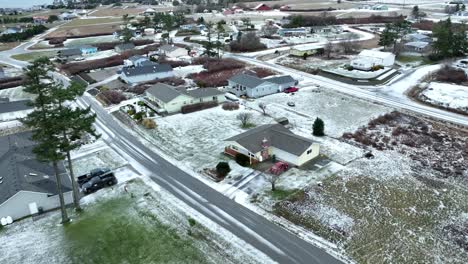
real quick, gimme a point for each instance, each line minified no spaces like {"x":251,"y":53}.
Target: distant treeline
{"x":10,"y":20}
{"x":310,"y":21}
{"x":28,"y":33}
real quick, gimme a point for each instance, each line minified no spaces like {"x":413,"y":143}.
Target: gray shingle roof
{"x":202,"y":92}
{"x":21,"y":171}
{"x":135,"y":58}
{"x":125,"y":46}
{"x":277,"y":135}
{"x":169,"y":48}
{"x":147,"y":69}
{"x":246,"y":80}
{"x":280,"y":79}
{"x":417,"y":44}
{"x":163,"y":92}
{"x":14,"y":106}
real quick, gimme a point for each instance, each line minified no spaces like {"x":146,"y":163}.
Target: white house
{"x":145,"y":71}
{"x":370,"y":58}
{"x":27,"y":186}
{"x":169,"y":99}
{"x":172,"y":51}
{"x":14,"y":110}
{"x":266,"y":141}
{"x":254,"y":87}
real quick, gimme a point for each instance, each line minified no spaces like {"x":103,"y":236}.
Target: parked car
{"x":96,"y":172}
{"x":291,"y":89}
{"x":462,"y":64}
{"x":279,"y":167}
{"x":231,"y":97}
{"x":292,"y":104}
{"x":98,"y":182}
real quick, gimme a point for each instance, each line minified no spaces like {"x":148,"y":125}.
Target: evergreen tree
{"x":220,"y":33}
{"x":208,"y":45}
{"x":42,"y":120}
{"x":126,"y":32}
{"x":387,"y":37}
{"x":442,"y":46}
{"x":318,"y":128}
{"x":415,"y":12}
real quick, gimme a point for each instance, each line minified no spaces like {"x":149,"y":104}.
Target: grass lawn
{"x":9,"y":45}
{"x":118,"y":231}
{"x":91,"y":21}
{"x":34,"y":55}
{"x":414,"y":59}
{"x":280,"y":194}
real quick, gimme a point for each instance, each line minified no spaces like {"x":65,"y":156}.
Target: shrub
{"x":247,"y":42}
{"x":113,"y":97}
{"x":192,"y":222}
{"x":222,"y":169}
{"x":216,"y":79}
{"x":149,"y":123}
{"x":242,"y":160}
{"x":318,"y":128}
{"x":376,"y":67}
{"x":55,"y":41}
{"x":349,"y":68}
{"x":230,"y":106}
{"x":197,"y":107}
{"x":451,"y":75}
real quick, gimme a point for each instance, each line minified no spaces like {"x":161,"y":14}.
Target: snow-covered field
{"x":447,"y":95}
{"x":15,"y":94}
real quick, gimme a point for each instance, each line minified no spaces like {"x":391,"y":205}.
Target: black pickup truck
{"x":96,"y":172}
{"x":96,"y":179}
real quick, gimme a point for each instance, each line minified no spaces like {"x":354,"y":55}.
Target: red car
{"x":279,"y":167}
{"x":291,"y":90}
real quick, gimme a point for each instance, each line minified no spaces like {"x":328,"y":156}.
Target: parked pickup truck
{"x":96,"y":172}
{"x":99,"y":182}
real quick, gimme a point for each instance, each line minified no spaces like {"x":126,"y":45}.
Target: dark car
{"x":96,"y":172}
{"x":98,"y":182}
{"x":291,"y":90}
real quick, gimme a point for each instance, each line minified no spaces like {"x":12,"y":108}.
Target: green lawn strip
{"x":118,"y":231}
{"x":31,"y":56}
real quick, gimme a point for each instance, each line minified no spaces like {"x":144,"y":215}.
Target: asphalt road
{"x":277,"y":243}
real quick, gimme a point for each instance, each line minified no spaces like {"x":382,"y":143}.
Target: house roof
{"x":375,"y":54}
{"x":164,"y":92}
{"x":125,"y":46}
{"x":14,"y":106}
{"x":86,"y":47}
{"x":280,"y":79}
{"x":246,"y":80}
{"x":202,"y":92}
{"x":418,"y":36}
{"x":146,"y":69}
{"x":169,"y":48}
{"x":277,"y":136}
{"x":417,"y":44}
{"x":21,"y":171}
{"x":167,"y":93}
{"x":70,"y":52}
{"x":135,"y":58}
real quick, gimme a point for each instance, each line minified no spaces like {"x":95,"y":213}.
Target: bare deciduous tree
{"x":328,"y":49}
{"x":349,"y":45}
{"x":272,"y":179}
{"x":244,"y":118}
{"x":262,"y":107}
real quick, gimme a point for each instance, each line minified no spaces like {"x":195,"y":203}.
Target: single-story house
{"x":253,"y":86}
{"x":370,"y":58}
{"x":11,"y":110}
{"x":170,"y":99}
{"x":124,"y":47}
{"x":135,"y":60}
{"x":418,"y":47}
{"x":12,"y":30}
{"x":262,"y":7}
{"x":302,"y":50}
{"x":326,"y":30}
{"x":68,"y":16}
{"x":417,"y":37}
{"x":40,"y":20}
{"x":27,"y":186}
{"x":146,"y":71}
{"x":149,"y":12}
{"x":288,"y":32}
{"x":172,"y":51}
{"x":264,"y":142}
{"x":87,"y":49}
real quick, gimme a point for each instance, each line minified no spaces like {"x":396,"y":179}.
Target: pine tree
{"x":387,"y":37}
{"x":415,"y":12}
{"x":443,"y":33}
{"x":220,"y":32}
{"x":318,"y":128}
{"x":42,"y":120}
{"x":209,"y":43}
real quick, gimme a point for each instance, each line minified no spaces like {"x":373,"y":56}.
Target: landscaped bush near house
{"x":149,"y":123}
{"x":222,"y":169}
{"x":55,"y":41}
{"x":349,"y":67}
{"x":242,"y":160}
{"x":376,"y":67}
{"x":451,"y":75}
{"x":247,"y":42}
{"x":197,"y":107}
{"x":230,"y":106}
{"x":112,"y":96}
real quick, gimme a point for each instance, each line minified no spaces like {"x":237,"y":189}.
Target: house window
{"x":309,"y":151}
{"x":234,"y":148}
{"x":251,"y":155}
{"x":215,"y":98}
